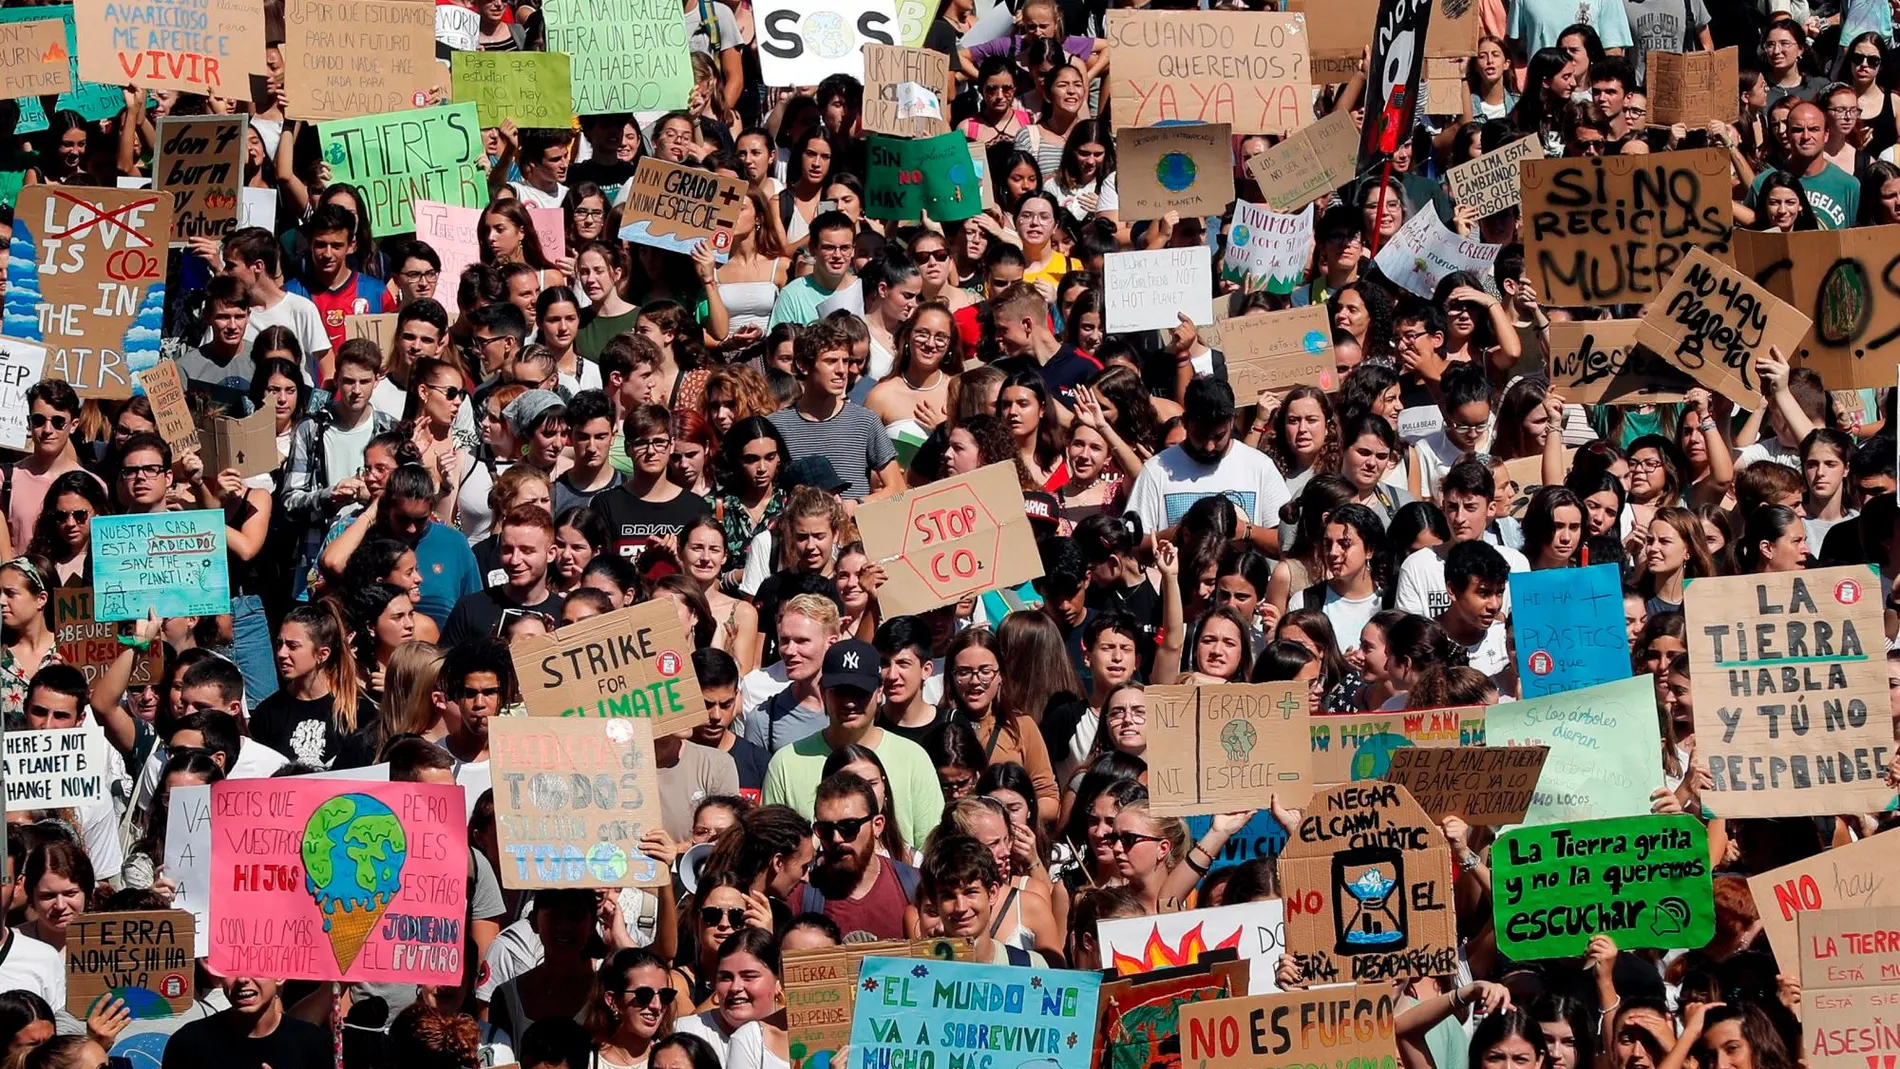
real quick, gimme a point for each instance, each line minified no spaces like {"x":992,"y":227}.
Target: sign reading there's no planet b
{"x":1186,"y":168}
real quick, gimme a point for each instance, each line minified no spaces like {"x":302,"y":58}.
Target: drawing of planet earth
{"x":1175,"y":171}
{"x":353,"y":854}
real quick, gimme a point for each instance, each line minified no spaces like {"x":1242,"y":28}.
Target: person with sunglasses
{"x":63,"y":533}
{"x":52,"y":417}
{"x":859,"y":889}
{"x":722,"y":908}
{"x":631,"y":1009}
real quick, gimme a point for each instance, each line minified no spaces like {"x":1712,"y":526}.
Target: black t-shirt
{"x":302,"y":730}
{"x":1065,"y":371}
{"x":479,"y":614}
{"x":607,"y":174}
{"x":751,"y":760}
{"x":633,"y":524}
{"x":918,"y":733}
{"x":293,"y":1044}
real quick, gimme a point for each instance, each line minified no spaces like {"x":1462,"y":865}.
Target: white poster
{"x":1267,"y":250}
{"x":802,"y":42}
{"x":257,"y":207}
{"x":1423,"y":251}
{"x":188,"y":857}
{"x":1151,"y":289}
{"x":1135,"y":945}
{"x":457,"y":27}
{"x":55,"y":769}
{"x":22,"y":364}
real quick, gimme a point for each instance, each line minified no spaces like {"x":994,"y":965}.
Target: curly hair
{"x":806,"y":502}
{"x":744,"y":386}
{"x":1282,"y":451}
{"x":46,"y":540}
{"x":422,"y":1038}
{"x":1381,"y":312}
{"x":994,"y":446}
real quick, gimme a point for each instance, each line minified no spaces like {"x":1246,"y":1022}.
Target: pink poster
{"x":550,"y":226}
{"x":455,"y":234}
{"x":321,"y":879}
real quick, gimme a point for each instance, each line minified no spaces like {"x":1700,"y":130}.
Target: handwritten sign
{"x":1694,"y":89}
{"x":675,"y":208}
{"x":1836,"y":277}
{"x":86,"y":279}
{"x":143,"y":959}
{"x":172,"y":563}
{"x":1367,"y":881}
{"x":22,"y":366}
{"x":1667,"y":203}
{"x":378,"y":327}
{"x":1219,"y":749}
{"x":909,"y":179}
{"x":803,"y":42}
{"x":821,"y":988}
{"x":1488,"y":184}
{"x":1279,"y":1031}
{"x":1186,"y":169}
{"x":1261,"y":836}
{"x":55,"y":769}
{"x":424,"y":154}
{"x":1597,"y":362}
{"x":201,"y":164}
{"x":1267,"y":250}
{"x":915,"y":1014}
{"x":628,"y":55}
{"x":532,"y":88}
{"x":1643,"y":881}
{"x":1787,"y":690}
{"x":91,"y":646}
{"x":907,"y":91}
{"x":1479,"y":784}
{"x":194,"y":46}
{"x":572,"y":799}
{"x":1359,"y":746}
{"x":632,"y":662}
{"x":1850,"y":987}
{"x":1604,"y":758}
{"x":165,"y":388}
{"x":1423,"y":252}
{"x":1247,"y":69}
{"x":1150,"y":289}
{"x":1278,"y":351}
{"x":1309,"y":164}
{"x":247,"y":446}
{"x":188,"y":859}
{"x":1133,"y":946}
{"x":959,"y":536}
{"x":1569,"y":628}
{"x":454,"y":232}
{"x":33,"y":59}
{"x":344,"y":60}
{"x":1711,"y":321}
{"x":91,"y":100}
{"x":1340,"y":29}
{"x":1865,"y":872}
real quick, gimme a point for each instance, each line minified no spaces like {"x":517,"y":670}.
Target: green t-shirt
{"x":1833,"y":194}
{"x":600,"y":330}
{"x":793,"y":776}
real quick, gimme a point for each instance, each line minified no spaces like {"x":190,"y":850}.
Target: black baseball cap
{"x":851,"y":663}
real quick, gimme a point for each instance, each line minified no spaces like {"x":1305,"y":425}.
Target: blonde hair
{"x":817,"y":608}
{"x":806,"y":502}
{"x":408,"y":682}
{"x":1173,"y":829}
{"x":507,"y":486}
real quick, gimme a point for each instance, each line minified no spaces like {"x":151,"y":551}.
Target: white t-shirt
{"x":1492,"y":654}
{"x":1349,"y":616}
{"x":1436,"y":454}
{"x":533,"y":198}
{"x":1421,"y":588}
{"x":31,"y":965}
{"x":1769,"y":448}
{"x":1171,"y":482}
{"x":301,"y":316}
{"x":343,"y":448}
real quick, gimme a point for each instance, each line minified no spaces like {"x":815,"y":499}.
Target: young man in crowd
{"x":826,"y":423}
{"x":332,"y":285}
{"x":253,"y":257}
{"x":648,"y":506}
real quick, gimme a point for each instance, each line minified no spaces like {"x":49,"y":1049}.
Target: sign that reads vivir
{"x":632,"y":662}
{"x":941,"y":543}
{"x":1246,"y":69}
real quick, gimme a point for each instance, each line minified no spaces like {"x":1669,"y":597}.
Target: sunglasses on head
{"x":646,"y":996}
{"x":710,"y":915}
{"x":843,"y":830}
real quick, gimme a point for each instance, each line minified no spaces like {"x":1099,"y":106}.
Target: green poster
{"x":529,"y":87}
{"x":911,"y":177}
{"x":406,"y":156}
{"x":1642,"y":881}
{"x":1605,"y":757}
{"x":629,"y":55}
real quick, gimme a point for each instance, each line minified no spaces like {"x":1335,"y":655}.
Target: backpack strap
{"x":908,"y":878}
{"x":1017,"y":955}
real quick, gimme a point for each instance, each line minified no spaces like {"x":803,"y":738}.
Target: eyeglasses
{"x":141,"y":471}
{"x":844,"y":829}
{"x":649,"y":445}
{"x":1411,"y":337}
{"x":1849,"y":112}
{"x":1646,"y":465}
{"x":934,"y":257}
{"x":450,"y":394}
{"x":75,"y":515}
{"x":1466,"y":428}
{"x":1132,"y":715}
{"x":710,"y":916}
{"x":421,"y":276}
{"x":1863,"y":59}
{"x":966,"y":675}
{"x":646,"y":996}
{"x":1128,"y":840}
{"x":589,"y":213}
{"x":41,"y":419}
{"x":483,"y":343}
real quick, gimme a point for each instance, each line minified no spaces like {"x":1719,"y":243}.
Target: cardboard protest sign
{"x":347,"y":58}
{"x":1522,"y":478}
{"x":821,"y":987}
{"x":424,"y":154}
{"x":803,"y":42}
{"x":172,"y":563}
{"x":1712,"y":321}
{"x":1783,"y":675}
{"x":454,"y":232}
{"x":248,"y":445}
{"x":1604,"y":759}
{"x":86,"y":279}
{"x":1578,"y":253}
{"x":146,"y":43}
{"x":377,"y":327}
{"x":1837,"y":276}
{"x":1187,"y":169}
{"x":632,"y":662}
{"x":1278,"y":351}
{"x":675,"y":208}
{"x":1694,"y":89}
{"x":1151,"y":289}
{"x":33,"y":59}
{"x":1569,"y":627}
{"x":573,"y":797}
{"x":458,"y":28}
{"x":56,"y":769}
{"x":1488,"y":184}
{"x":956,"y":537}
{"x":1865,"y":872}
{"x":1309,"y":164}
{"x":1850,"y":982}
{"x":1423,"y":252}
{"x":1643,"y":881}
{"x":188,"y":859}
{"x":303,"y":872}
{"x":91,"y":646}
{"x":1338,"y":31}
{"x":1359,"y":746}
{"x":907,"y":91}
{"x":1245,"y":68}
{"x":1479,"y":784}
{"x":1261,"y":836}
{"x":1218,"y":749}
{"x":1597,"y":362}
{"x":201,"y":164}
{"x":165,"y":388}
{"x":1267,"y":250}
{"x":1276,"y":1031}
{"x":918,"y":1014}
{"x":1367,"y":881}
{"x":628,"y":55}
{"x":142,"y":958}
{"x":908,"y":179}
{"x":90,"y":99}
{"x":1132,"y":946}
{"x":532,"y":88}
{"x":1138,"y":1024}
{"x":22,"y":366}
{"x":1442,"y":89}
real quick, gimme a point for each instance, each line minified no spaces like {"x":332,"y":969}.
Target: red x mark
{"x":116,"y":217}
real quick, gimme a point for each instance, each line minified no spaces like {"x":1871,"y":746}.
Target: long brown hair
{"x":1035,"y":665}
{"x":324,"y":620}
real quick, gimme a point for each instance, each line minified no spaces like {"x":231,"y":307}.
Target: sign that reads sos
{"x":805,"y":41}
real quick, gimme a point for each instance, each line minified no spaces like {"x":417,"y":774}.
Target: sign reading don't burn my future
{"x":631,"y":662}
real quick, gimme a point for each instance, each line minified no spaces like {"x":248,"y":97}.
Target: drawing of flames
{"x":1157,"y":954}
{"x":55,"y":53}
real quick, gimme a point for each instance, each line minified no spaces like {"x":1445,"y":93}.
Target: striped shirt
{"x":853,"y":440}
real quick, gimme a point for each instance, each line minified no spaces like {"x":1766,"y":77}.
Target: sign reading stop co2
{"x":947,"y":541}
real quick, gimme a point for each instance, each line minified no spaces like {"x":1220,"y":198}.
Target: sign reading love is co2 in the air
{"x":950,"y":539}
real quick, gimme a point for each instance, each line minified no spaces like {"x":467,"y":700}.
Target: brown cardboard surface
{"x":1245,"y":68}
{"x":1220,"y":749}
{"x":136,"y":43}
{"x":108,"y":953}
{"x":573,"y":797}
{"x":1186,"y":169}
{"x":33,"y":59}
{"x":1488,"y":184}
{"x":91,"y":646}
{"x":201,"y":164}
{"x":112,"y":248}
{"x":1712,"y":321}
{"x":951,"y":539}
{"x":1838,"y":278}
{"x":888,"y":66}
{"x":165,"y":389}
{"x":1862,"y":873}
{"x":1309,"y":164}
{"x":1850,"y":986}
{"x":1270,"y":1031}
{"x":1789,"y":684}
{"x":632,"y":662}
{"x":821,"y":988}
{"x":676,"y":204}
{"x":1693,"y":89}
{"x":344,"y":59}
{"x":1597,"y":362}
{"x":1278,"y":351}
{"x":1359,"y":746}
{"x":248,"y":444}
{"x":379,"y":327}
{"x":1479,"y":784}
{"x":1341,"y":30}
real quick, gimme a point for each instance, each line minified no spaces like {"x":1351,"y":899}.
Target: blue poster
{"x":91,"y":100}
{"x":173,"y":562}
{"x":1569,"y":628}
{"x":1262,"y":836}
{"x":919,"y":1014}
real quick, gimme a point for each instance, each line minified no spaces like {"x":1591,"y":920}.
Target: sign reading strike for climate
{"x":632,"y":662}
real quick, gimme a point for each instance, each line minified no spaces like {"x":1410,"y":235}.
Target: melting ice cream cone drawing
{"x":353,"y":854}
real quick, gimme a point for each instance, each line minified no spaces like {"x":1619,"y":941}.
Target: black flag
{"x":1392,"y":82}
